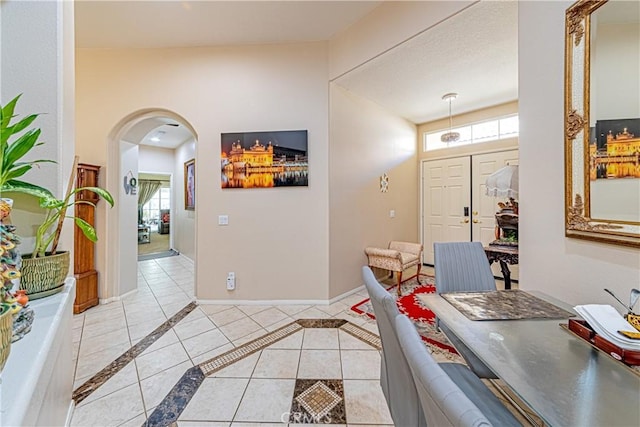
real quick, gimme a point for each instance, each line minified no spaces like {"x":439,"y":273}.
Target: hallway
{"x":278,"y":365}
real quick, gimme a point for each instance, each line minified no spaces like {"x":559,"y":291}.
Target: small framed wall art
{"x":190,"y":185}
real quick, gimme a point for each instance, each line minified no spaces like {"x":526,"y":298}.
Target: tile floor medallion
{"x":318,"y":402}
{"x":159,"y":359}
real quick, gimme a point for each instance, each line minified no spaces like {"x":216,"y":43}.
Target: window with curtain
{"x":151,"y":210}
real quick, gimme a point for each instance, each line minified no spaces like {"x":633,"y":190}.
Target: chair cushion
{"x":407,"y":258}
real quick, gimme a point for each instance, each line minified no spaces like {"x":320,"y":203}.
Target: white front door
{"x":446,"y":196}
{"x":484,"y":207}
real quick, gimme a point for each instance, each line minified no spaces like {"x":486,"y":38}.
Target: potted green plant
{"x":43,"y":272}
{"x":12,"y":151}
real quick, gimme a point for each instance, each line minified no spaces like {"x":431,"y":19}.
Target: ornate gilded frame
{"x":578,"y":223}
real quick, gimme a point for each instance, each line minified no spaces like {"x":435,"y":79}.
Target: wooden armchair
{"x":399,"y":257}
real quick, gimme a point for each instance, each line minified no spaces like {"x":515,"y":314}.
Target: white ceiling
{"x":170,"y":23}
{"x":473,"y":53}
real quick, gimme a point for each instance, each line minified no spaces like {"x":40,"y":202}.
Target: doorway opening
{"x":150,"y":144}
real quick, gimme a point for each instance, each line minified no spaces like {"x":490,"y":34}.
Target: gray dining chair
{"x":450,"y":394}
{"x":463,"y":267}
{"x":395,"y":376}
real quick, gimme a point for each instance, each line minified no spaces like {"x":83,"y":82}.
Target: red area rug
{"x":422,"y":317}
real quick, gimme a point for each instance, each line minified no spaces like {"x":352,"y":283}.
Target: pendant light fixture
{"x":450,"y":136}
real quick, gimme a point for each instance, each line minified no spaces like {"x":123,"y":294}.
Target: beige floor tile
{"x":103,"y":316}
{"x":320,"y":338}
{"x":240,"y":328}
{"x":360,"y":364}
{"x":225,"y":317}
{"x":76,"y":335}
{"x":333,"y":309}
{"x":365,"y":403}
{"x":292,"y":309}
{"x":210,"y":309}
{"x":102,"y":328}
{"x":241,"y":369}
{"x":135,"y":421}
{"x":167,"y":339}
{"x":95,"y":362}
{"x":141,"y":330}
{"x":173,"y":308}
{"x":293,"y":341}
{"x":122,"y":379}
{"x":165,"y":358}
{"x":277,"y":364}
{"x":250,"y":310}
{"x":216,"y":400}
{"x":269,"y":317}
{"x":156,"y":316}
{"x":195,"y":327}
{"x":111,"y":410}
{"x":320,"y":364}
{"x":204,"y":342}
{"x":202,"y":424}
{"x":311,"y":313}
{"x":245,"y":339}
{"x":206,"y":356}
{"x":279,"y":324}
{"x":156,"y":387}
{"x":349,"y":342}
{"x":266,"y":400}
{"x":94,"y":344}
{"x":174,"y":298}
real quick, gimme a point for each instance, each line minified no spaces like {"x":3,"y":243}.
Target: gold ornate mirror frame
{"x":578,"y":153}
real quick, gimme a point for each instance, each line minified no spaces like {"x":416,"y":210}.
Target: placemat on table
{"x":504,"y":305}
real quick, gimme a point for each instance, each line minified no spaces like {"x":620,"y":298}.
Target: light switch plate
{"x":223,"y":219}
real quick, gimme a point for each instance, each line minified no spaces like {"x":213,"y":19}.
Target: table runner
{"x":504,"y":305}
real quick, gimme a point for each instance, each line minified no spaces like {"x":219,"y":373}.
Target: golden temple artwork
{"x":264,"y":159}
{"x":616,"y":153}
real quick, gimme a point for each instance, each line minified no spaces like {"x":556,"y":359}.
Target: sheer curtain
{"x":146,"y":189}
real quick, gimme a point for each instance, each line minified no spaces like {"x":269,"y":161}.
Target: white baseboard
{"x":121,"y":297}
{"x":280,"y":302}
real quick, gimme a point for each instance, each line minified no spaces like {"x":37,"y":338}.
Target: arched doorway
{"x":124,"y":147}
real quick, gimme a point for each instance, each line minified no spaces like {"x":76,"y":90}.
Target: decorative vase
{"x":21,"y":297}
{"x":6,"y":332}
{"x":44,"y":276}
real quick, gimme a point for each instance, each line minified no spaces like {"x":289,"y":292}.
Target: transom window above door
{"x":489,"y":130}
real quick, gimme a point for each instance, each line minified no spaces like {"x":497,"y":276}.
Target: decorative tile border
{"x":93,"y":383}
{"x":168,"y":411}
{"x":362,"y":334}
{"x":171,"y":407}
{"x":247,"y":349}
{"x":318,"y":402}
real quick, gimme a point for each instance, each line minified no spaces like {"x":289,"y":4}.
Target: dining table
{"x":564,"y":379}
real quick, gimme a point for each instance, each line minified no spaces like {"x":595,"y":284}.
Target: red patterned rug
{"x":422,"y":317}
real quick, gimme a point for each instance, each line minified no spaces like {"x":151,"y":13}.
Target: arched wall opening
{"x":118,"y":251}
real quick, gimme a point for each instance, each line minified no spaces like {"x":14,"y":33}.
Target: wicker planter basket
{"x":6,"y":331}
{"x":44,"y":276}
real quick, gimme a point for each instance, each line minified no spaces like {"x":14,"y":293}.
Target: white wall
{"x":37,"y":59}
{"x":156,"y":160}
{"x":127,"y":207}
{"x":277,"y":239}
{"x":366,"y":142}
{"x":570,"y":269}
{"x":184,"y":221}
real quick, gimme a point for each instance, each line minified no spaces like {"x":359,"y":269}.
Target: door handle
{"x":476,"y":221}
{"x":475,"y":212}
{"x":466,"y":221}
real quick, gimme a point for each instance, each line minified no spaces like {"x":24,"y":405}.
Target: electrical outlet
{"x":392,"y":213}
{"x":223,"y":219}
{"x":231,"y":281}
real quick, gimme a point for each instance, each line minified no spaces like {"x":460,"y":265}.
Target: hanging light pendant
{"x":450,"y":136}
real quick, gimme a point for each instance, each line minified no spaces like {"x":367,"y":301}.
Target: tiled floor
{"x":256,"y":390}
